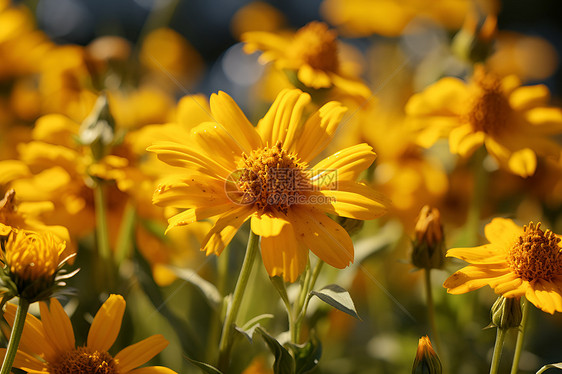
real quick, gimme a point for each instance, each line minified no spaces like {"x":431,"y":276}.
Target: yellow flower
{"x":390,"y":17}
{"x":48,"y":345}
{"x":32,"y":263}
{"x":517,"y":262}
{"x":512,"y":121}
{"x":235,"y":171}
{"x":312,"y":53}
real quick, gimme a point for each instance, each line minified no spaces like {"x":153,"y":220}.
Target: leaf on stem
{"x":550,"y":366}
{"x":203,"y":366}
{"x":337,"y":297}
{"x":284,"y":362}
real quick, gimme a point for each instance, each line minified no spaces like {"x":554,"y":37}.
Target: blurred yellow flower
{"x":514,"y":122}
{"x":518,"y":261}
{"x":312,"y":53}
{"x":234,"y":171}
{"x":48,"y":345}
{"x":390,"y":17}
{"x":32,"y":263}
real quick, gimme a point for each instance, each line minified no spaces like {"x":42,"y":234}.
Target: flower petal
{"x":106,"y":324}
{"x":314,"y":78}
{"x":446,"y":97}
{"x":196,"y":214}
{"x":224,"y":230}
{"x":527,"y":97}
{"x":217,"y":143}
{"x":152,"y":370}
{"x":324,"y":237}
{"x":140,"y":353}
{"x":229,"y":115}
{"x":282,"y":255}
{"x":346,"y":164}
{"x":188,"y":191}
{"x":354,"y":200}
{"x":282,"y":120}
{"x":57,"y":326}
{"x":318,"y":130}
{"x":464,"y":141}
{"x":523,"y":162}
{"x":25,"y":362}
{"x":471,"y":278}
{"x":502,"y":232}
{"x":484,"y":254}
{"x":267,"y":224}
{"x":549,"y":296}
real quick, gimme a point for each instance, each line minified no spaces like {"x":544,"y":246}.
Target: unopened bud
{"x":98,"y":129}
{"x":428,"y":244}
{"x":506,"y":313}
{"x":474,"y":41}
{"x":426,"y":361}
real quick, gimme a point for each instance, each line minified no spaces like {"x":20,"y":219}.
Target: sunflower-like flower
{"x":312,"y":53}
{"x":234,"y":171}
{"x":32,"y":265}
{"x":48,"y":345}
{"x":518,"y":261}
{"x":511,"y":120}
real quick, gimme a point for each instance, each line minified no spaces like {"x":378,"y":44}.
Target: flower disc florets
{"x":317,"y":46}
{"x":84,"y":360}
{"x":272,"y":178}
{"x":536,"y":254}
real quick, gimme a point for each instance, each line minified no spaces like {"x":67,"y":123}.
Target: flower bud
{"x":426,"y":361}
{"x":506,"y":313}
{"x":98,"y":129}
{"x":474,"y":42}
{"x":428,"y":244}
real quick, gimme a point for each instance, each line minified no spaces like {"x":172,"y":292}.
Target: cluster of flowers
{"x":102,"y":170}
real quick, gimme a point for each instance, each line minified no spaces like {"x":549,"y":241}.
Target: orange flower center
{"x":316,"y":45}
{"x":488,"y":108}
{"x":84,"y":360}
{"x":271,"y":178}
{"x":536,"y":254}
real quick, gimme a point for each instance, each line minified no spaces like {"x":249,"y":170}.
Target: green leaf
{"x":284,"y":362}
{"x":337,"y":297}
{"x":203,"y":366}
{"x":250,"y":327}
{"x":208,"y":289}
{"x":307,"y":355}
{"x":550,"y":366}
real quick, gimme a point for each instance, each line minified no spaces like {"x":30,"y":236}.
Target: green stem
{"x":232,"y":312}
{"x":15,"y":336}
{"x":431,"y":308}
{"x":125,"y":238}
{"x":520,"y":337}
{"x":303,"y":308}
{"x":101,"y":222}
{"x":500,"y":337}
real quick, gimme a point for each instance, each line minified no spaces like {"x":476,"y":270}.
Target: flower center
{"x":316,"y":45}
{"x":536,"y":254}
{"x":84,"y":360}
{"x":488,"y":108}
{"x":272,"y":178}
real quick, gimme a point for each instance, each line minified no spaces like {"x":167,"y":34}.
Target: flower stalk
{"x":520,"y":337}
{"x":225,"y":343}
{"x":498,"y":346}
{"x":101,"y":222}
{"x":15,"y":336}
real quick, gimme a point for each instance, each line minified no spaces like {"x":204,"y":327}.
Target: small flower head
{"x":506,"y":313}
{"x":32,"y":264}
{"x":428,"y":245}
{"x":426,"y":361}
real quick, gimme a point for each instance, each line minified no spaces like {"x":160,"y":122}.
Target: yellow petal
{"x":354,"y":200}
{"x":189,"y":191}
{"x":273,"y":45}
{"x":502,"y":232}
{"x":446,"y":97}
{"x":527,"y":97}
{"x":351,"y":86}
{"x":25,"y":362}
{"x":548,"y":294}
{"x":106,"y":324}
{"x":346,"y":164}
{"x":464,"y":141}
{"x":485,"y":254}
{"x":224,"y":230}
{"x":54,"y":128}
{"x":324,"y":237}
{"x":196,"y":214}
{"x":227,"y":114}
{"x":545,"y":120}
{"x":314,"y":78}
{"x":319,"y":130}
{"x":266,"y":224}
{"x":58,"y":328}
{"x":283,"y":256}
{"x":510,"y":287}
{"x":139,"y":353}
{"x":152,"y":370}
{"x":471,"y":278}
{"x":281,"y":122}
{"x":217,"y":143}
{"x":523,"y":162}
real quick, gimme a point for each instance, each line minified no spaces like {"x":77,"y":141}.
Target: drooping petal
{"x":464,"y":141}
{"x":324,"y":237}
{"x":57,"y":326}
{"x":523,"y":162}
{"x":354,"y":200}
{"x":106,"y":324}
{"x":314,"y":78}
{"x":139,"y":353}
{"x":549,"y":296}
{"x":25,"y":362}
{"x":282,"y":120}
{"x":196,"y":214}
{"x":351,"y":86}
{"x":268,"y":224}
{"x":224,"y":230}
{"x":282,"y":255}
{"x":318,"y":131}
{"x":471,"y":278}
{"x":508,"y":287}
{"x":346,"y":164}
{"x":229,"y":115}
